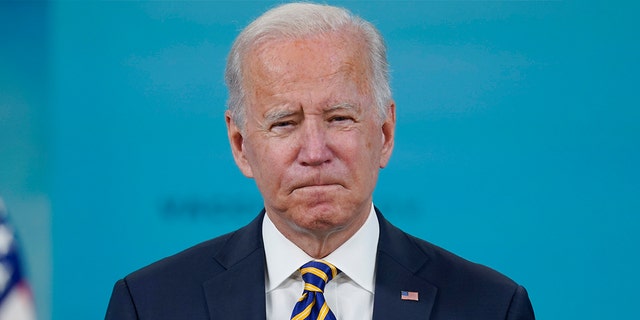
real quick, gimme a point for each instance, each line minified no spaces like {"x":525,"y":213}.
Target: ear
{"x":236,"y":140}
{"x":388,"y":134}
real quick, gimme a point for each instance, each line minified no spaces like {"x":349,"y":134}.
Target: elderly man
{"x":312,"y":121}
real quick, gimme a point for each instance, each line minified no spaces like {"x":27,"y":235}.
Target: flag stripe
{"x":409,"y":295}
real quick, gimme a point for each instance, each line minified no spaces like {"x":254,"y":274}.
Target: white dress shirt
{"x":349,"y":295}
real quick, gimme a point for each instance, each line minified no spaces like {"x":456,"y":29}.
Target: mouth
{"x":316,"y":187}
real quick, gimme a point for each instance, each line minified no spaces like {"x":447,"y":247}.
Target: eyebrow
{"x":275,"y":115}
{"x":272,"y":116}
{"x":343,"y":106}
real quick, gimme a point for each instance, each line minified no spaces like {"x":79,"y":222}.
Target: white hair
{"x":298,"y":20}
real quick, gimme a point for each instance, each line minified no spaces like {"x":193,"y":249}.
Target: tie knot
{"x":316,"y":274}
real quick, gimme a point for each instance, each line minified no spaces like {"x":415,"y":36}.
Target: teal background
{"x":518,"y":141}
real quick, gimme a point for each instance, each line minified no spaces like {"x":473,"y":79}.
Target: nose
{"x":314,"y":148}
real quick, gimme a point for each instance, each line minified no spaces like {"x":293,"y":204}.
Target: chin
{"x":323,"y":216}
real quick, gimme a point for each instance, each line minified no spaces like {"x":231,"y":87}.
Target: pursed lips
{"x":318,"y":186}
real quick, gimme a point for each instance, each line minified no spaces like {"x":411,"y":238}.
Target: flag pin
{"x":409,"y":295}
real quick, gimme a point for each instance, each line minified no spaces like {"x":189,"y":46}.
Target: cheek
{"x":256,"y":157}
{"x":371,"y":141}
{"x":357,"y":149}
{"x":268,"y":159}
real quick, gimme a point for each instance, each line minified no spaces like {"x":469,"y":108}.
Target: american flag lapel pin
{"x":409,"y":295}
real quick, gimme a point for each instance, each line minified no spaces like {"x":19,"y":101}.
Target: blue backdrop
{"x":518,"y":140}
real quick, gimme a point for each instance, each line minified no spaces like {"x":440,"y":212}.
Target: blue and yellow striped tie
{"x":312,"y":306}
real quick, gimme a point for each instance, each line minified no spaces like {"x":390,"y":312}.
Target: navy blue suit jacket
{"x":223,"y":278}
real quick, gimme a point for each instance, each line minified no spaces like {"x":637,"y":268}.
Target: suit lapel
{"x":397,"y":263}
{"x":238,"y":292}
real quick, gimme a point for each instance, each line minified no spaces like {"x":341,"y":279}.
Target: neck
{"x":319,"y":243}
{"x":320,"y":246}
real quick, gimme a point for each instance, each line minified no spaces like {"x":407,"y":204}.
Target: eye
{"x":282,"y":124}
{"x":341,"y":119}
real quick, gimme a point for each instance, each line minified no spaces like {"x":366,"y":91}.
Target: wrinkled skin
{"x":312,"y":139}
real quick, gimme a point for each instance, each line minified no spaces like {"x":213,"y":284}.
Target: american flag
{"x":16,"y":302}
{"x":409,"y":295}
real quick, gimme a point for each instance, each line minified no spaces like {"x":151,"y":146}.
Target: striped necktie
{"x":312,"y":306}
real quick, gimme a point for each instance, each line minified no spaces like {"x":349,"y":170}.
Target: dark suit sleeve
{"x":520,"y":308}
{"x":121,"y":305}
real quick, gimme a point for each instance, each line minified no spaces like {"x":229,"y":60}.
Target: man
{"x":312,"y":120}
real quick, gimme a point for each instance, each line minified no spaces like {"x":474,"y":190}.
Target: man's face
{"x":313,"y":140}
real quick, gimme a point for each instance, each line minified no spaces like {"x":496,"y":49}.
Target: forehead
{"x":326,"y":58}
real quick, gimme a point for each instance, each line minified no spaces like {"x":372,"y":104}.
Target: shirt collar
{"x":355,"y":258}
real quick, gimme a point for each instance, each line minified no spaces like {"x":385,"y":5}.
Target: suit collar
{"x":398,"y":261}
{"x":238,"y":292}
